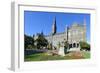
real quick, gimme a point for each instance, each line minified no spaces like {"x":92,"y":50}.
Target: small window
{"x":74,"y":45}
{"x":77,"y":45}
{"x":70,"y":45}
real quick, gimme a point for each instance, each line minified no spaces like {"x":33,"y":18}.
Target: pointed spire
{"x":55,"y":21}
{"x":54,"y":27}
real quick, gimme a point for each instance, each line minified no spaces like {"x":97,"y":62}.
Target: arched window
{"x":77,"y":45}
{"x":74,"y":45}
{"x":70,"y":45}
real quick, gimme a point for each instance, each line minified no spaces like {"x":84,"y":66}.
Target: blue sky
{"x":36,"y":22}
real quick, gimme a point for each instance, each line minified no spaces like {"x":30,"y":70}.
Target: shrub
{"x":84,"y":46}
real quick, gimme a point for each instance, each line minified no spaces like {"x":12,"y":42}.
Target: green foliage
{"x":49,"y":46}
{"x":29,"y":47}
{"x":28,"y":42}
{"x":41,"y":41}
{"x":84,"y":46}
{"x":66,"y":44}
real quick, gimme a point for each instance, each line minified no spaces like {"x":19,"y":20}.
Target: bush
{"x":29,"y":47}
{"x":28,"y":42}
{"x":85,"y":46}
{"x":41,"y":41}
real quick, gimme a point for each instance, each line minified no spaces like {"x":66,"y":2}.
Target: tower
{"x":66,"y":30}
{"x":84,"y":24}
{"x":54,"y":27}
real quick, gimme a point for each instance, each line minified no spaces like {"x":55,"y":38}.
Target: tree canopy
{"x":41,"y":41}
{"x":29,"y":42}
{"x":84,"y":46}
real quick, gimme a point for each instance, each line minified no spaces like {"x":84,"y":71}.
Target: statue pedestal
{"x":61,"y":51}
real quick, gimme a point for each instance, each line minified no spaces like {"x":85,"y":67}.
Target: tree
{"x":49,"y":46}
{"x":84,"y":46}
{"x":41,"y":41}
{"x":29,"y":47}
{"x":29,"y":42}
{"x":65,"y":46}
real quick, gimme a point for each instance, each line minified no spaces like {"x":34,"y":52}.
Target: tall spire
{"x":54,"y":27}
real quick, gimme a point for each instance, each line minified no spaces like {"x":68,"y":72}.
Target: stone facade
{"x":76,"y":33}
{"x":73,"y":34}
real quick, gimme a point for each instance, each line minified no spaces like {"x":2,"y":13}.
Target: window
{"x":77,"y":45}
{"x":74,"y":45}
{"x":70,"y":45}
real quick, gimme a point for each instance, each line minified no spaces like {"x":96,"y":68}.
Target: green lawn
{"x":86,"y":54}
{"x":45,"y":57}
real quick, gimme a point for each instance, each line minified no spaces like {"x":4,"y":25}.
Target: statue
{"x":61,"y":50}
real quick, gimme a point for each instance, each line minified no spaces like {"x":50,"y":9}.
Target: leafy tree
{"x":49,"y":46}
{"x":41,"y":41}
{"x":29,"y":47}
{"x":65,"y":46}
{"x":29,"y":41}
{"x":84,"y":46}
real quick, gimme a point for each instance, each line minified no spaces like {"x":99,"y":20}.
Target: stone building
{"x":73,"y":34}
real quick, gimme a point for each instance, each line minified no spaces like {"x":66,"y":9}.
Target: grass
{"x":46,"y":57}
{"x":42,"y":57}
{"x":86,"y":54}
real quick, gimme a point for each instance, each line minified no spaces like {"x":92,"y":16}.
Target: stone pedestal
{"x":61,"y":51}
